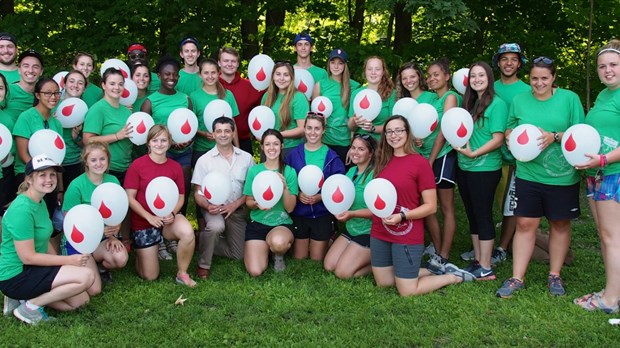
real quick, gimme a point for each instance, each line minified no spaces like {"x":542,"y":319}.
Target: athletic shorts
{"x":510,"y":201}
{"x":554,"y":202}
{"x":32,"y":282}
{"x":603,"y":187}
{"x":404,"y":258}
{"x":444,"y":169}
{"x":321,"y":228}
{"x":145,"y":238}
{"x":257,"y":231}
{"x":363,"y":239}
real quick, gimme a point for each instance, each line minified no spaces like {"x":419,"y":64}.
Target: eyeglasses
{"x":397,"y":132}
{"x":50,"y":94}
{"x":543,"y":59}
{"x":136,"y":55}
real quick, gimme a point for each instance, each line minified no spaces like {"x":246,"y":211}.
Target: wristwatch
{"x":556,"y":137}
{"x":372,"y":129}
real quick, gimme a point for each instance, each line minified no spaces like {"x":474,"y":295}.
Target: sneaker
{"x":482,"y":273}
{"x":9,"y":306}
{"x":278,"y":263}
{"x":163,"y":253}
{"x":451,"y":268}
{"x":429,"y":250}
{"x":556,"y":285}
{"x":31,"y":316}
{"x":468,"y":255}
{"x":499,"y":255}
{"x":106,"y":277}
{"x":509,"y":287}
{"x":472,"y":266}
{"x":437,"y":264}
{"x":172,"y":246}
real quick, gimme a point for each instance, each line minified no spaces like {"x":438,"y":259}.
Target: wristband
{"x":403,"y":217}
{"x":602,"y":161}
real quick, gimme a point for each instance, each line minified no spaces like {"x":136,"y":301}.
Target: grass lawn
{"x":307,"y":307}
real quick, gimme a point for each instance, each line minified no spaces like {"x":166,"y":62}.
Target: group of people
{"x":39,"y":268}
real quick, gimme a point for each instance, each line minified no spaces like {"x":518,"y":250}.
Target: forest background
{"x":569,"y":31}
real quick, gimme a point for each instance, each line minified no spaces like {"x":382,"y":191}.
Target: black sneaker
{"x":472,"y":266}
{"x":437,"y":265}
{"x":482,"y":273}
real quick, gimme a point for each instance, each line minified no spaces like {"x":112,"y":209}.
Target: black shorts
{"x":32,"y":282}
{"x":257,"y":231}
{"x":363,"y":239}
{"x":554,"y":202}
{"x":444,"y":169}
{"x":321,"y":228}
{"x":142,"y":239}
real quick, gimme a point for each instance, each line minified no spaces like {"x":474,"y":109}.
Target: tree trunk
{"x":402,"y":30}
{"x":7,"y":7}
{"x":249,"y":29}
{"x":274,"y":20}
{"x":358,"y":19}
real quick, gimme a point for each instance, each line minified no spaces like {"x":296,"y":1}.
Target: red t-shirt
{"x":140,"y":174}
{"x":247,"y":98}
{"x":410,"y":175}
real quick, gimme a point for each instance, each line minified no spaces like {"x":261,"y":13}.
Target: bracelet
{"x":116,"y":136}
{"x":403,"y":217}
{"x":602,"y":159}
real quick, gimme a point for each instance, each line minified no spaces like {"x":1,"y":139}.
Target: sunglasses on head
{"x":315,"y":114}
{"x":543,"y":59}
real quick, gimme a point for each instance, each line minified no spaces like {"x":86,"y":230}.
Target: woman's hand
{"x":125,"y":132}
{"x":305,"y":199}
{"x":593,"y":162}
{"x":362,"y":123}
{"x":80,"y":260}
{"x":393,"y":219}
{"x":168,"y":219}
{"x":111,"y":231}
{"x":545,"y":139}
{"x":114,"y":245}
{"x":155,"y":221}
{"x":466,"y":151}
{"x":344,"y":217}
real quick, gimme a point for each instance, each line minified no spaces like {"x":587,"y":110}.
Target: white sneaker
{"x":429,"y":250}
{"x":468,"y":255}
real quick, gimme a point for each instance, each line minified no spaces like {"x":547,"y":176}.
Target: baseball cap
{"x":136,"y":47}
{"x":303,"y":36}
{"x":30,"y":53}
{"x":41,"y":162}
{"x":190,"y":39}
{"x":338,"y":53}
{"x":509,"y":48}
{"x":8,"y":37}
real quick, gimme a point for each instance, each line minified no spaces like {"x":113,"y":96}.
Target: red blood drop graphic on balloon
{"x":321,"y":182}
{"x":141,"y":127}
{"x":0,"y":140}
{"x":125,"y":93}
{"x":523,"y":138}
{"x":159,"y":203}
{"x":256,"y":124}
{"x":207,"y":193}
{"x":379,"y":203}
{"x":268,"y":194}
{"x":76,"y":235}
{"x":67,"y":110}
{"x":104,"y":211}
{"x":186,"y":128}
{"x":434,"y":126}
{"x":260,"y":75}
{"x":570,"y":144}
{"x":321,"y":106}
{"x":365,"y":103}
{"x":302,"y":87}
{"x":59,"y":143}
{"x":465,"y":80}
{"x":337,"y":196}
{"x":125,"y":74}
{"x":462,"y":131}
{"x":62,"y":83}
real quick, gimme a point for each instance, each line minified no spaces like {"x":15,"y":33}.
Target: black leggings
{"x":477,"y":191}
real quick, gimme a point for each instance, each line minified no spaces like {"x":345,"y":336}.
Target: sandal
{"x":581,"y":300}
{"x":589,"y":305}
{"x":184,"y":279}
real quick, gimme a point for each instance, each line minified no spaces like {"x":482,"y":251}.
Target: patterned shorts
{"x":603,"y":187}
{"x":145,"y":238}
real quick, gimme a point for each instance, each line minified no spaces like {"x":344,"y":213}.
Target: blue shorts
{"x":145,"y":238}
{"x":603,"y":187}
{"x":404,"y":258}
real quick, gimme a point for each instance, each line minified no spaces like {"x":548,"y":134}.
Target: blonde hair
{"x":221,"y":91}
{"x":284,"y":113}
{"x":90,"y":147}
{"x":156,"y":130}
{"x":345,"y":83}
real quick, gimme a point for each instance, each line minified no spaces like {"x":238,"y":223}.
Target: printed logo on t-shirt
{"x":555,"y":164}
{"x":402,"y":228}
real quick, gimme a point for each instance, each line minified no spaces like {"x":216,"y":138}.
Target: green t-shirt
{"x":337,"y":131}
{"x":493,"y":121}
{"x":316,"y":157}
{"x":428,"y":142}
{"x":359,"y":226}
{"x":200,"y":100}
{"x":155,"y":83}
{"x":386,"y":111}
{"x":299,"y":109}
{"x":18,"y":101}
{"x":605,"y":117}
{"x":23,"y":220}
{"x":277,"y":215}
{"x":426,"y":97}
{"x":137,"y":105}
{"x":10,"y":75}
{"x":162,"y":105}
{"x":29,"y":122}
{"x":317,"y":73}
{"x":557,"y":113}
{"x":508,"y":92}
{"x":92,"y":94}
{"x":104,"y":119}
{"x":9,"y":123}
{"x":188,"y":82}
{"x":81,"y":189}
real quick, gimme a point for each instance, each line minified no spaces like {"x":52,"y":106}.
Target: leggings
{"x":477,"y":191}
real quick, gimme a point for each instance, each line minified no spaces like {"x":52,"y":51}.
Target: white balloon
{"x":457,"y":126}
{"x":579,"y":140}
{"x":183,"y":125}
{"x":8,"y":161}
{"x":304,"y":82}
{"x":259,"y":71}
{"x":60,"y":79}
{"x":117,"y":64}
{"x":380,"y":197}
{"x":48,"y":142}
{"x":141,"y":123}
{"x":216,"y":108}
{"x":267,"y":189}
{"x":111,"y":201}
{"x":423,"y":120}
{"x":130,"y":93}
{"x":216,"y":187}
{"x":162,"y":195}
{"x":310,"y":179}
{"x":523,"y":142}
{"x":70,"y":112}
{"x":322,"y":105}
{"x":260,"y":119}
{"x":460,"y":80}
{"x":338,"y":194}
{"x":367,"y":104}
{"x":6,"y":141}
{"x":404,"y":107}
{"x":83,"y":228}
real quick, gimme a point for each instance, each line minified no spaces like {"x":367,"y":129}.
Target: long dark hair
{"x":277,"y":134}
{"x":401,"y":91}
{"x":6,"y":92}
{"x":385,"y":152}
{"x":39,"y":86}
{"x":371,"y":144}
{"x":478,"y":105}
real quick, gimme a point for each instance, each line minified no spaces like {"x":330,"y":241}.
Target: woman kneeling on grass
{"x":148,"y":229}
{"x":349,"y":256}
{"x":270,"y":229}
{"x":27,"y":272}
{"x":397,"y":242}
